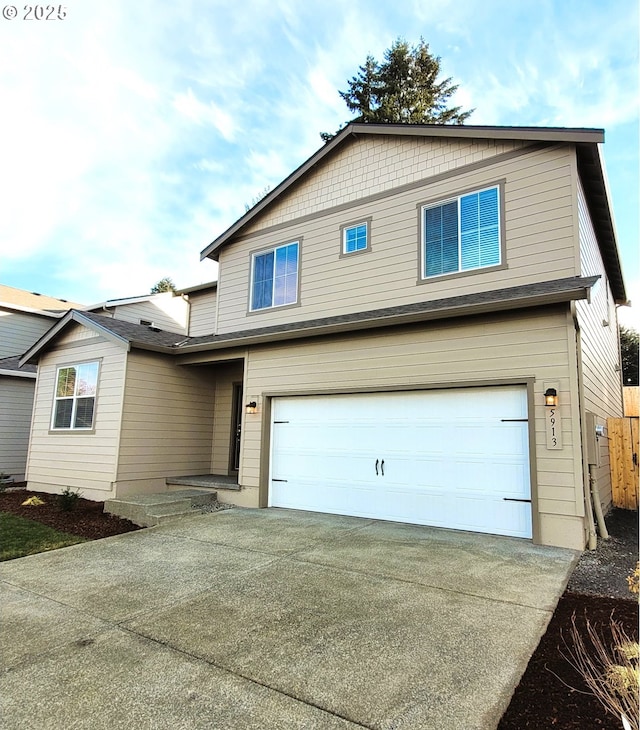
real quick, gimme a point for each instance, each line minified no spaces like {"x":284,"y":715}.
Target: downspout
{"x":593,"y":539}
{"x":597,"y":504}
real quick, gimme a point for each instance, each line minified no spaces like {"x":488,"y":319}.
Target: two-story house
{"x":418,"y":325}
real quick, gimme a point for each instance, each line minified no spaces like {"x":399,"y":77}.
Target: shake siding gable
{"x":597,"y":319}
{"x":373,"y":165}
{"x":77,"y":459}
{"x":537,"y":229}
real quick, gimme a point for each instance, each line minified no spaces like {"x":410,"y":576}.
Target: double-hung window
{"x":462,"y":234}
{"x":274,"y":276}
{"x":75,"y":397}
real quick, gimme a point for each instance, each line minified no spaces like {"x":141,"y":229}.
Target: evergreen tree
{"x":163,"y":285}
{"x":629,"y":349}
{"x":403,"y":89}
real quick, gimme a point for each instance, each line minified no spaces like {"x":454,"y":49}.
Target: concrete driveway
{"x":274,"y":619}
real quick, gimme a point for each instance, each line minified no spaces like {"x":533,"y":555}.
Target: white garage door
{"x":448,"y":458}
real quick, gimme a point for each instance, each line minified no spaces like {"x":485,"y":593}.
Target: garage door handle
{"x":382,"y":467}
{"x":377,"y":462}
{"x":512,"y":499}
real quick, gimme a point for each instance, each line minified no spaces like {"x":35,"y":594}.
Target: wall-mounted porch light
{"x":551,"y":398}
{"x":251,"y":407}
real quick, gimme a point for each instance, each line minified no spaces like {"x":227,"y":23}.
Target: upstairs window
{"x":75,"y":398}
{"x":355,"y":238}
{"x":462,"y":234}
{"x":274,"y":277}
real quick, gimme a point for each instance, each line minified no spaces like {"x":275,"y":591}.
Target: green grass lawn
{"x":20,"y":536}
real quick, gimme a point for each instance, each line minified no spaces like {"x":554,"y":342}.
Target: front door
{"x":236,"y":427}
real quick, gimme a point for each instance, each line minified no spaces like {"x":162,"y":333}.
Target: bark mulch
{"x":86,"y":519}
{"x":551,"y":694}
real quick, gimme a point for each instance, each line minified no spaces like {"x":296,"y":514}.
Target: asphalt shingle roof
{"x":13,"y":363}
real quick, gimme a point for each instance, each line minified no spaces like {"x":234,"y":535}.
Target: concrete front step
{"x":148,"y":510}
{"x":204,"y":481}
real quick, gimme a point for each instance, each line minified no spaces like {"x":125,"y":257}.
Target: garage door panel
{"x":450,"y":458}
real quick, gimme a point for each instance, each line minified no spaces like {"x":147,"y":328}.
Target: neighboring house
{"x":166,"y":310}
{"x":24,"y":318}
{"x":387,"y":327}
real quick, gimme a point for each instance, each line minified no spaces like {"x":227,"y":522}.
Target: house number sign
{"x":554,"y":428}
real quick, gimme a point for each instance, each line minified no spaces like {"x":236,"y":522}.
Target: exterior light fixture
{"x":251,"y":407}
{"x":551,"y":398}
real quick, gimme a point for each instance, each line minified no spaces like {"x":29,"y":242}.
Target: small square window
{"x":355,"y":237}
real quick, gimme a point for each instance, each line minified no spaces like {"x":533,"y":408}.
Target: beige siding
{"x":16,"y":404}
{"x":86,"y":461}
{"x":167,"y":422}
{"x":226,"y":377}
{"x":19,"y":330}
{"x":495,"y":349}
{"x":166,"y":311}
{"x":539,"y":234}
{"x":372,"y":165}
{"x":203,"y":313}
{"x":601,"y":377}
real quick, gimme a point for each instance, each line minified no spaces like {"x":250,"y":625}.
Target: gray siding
{"x":16,"y":405}
{"x":539,"y":234}
{"x":19,"y":330}
{"x":601,"y":377}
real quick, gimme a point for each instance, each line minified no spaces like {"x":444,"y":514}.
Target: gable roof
{"x":11,"y":366}
{"x":117,"y":330}
{"x":590,"y":166}
{"x":33,"y":301}
{"x":209,"y":286}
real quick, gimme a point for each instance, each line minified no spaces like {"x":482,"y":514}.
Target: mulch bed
{"x":551,"y":694}
{"x":87,"y":518}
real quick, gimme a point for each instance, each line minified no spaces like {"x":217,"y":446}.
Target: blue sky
{"x":132,"y":134}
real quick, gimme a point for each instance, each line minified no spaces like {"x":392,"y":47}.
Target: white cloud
{"x":200,"y":113}
{"x":133,"y":134}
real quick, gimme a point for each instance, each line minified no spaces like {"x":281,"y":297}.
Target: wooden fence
{"x":631,"y":395}
{"x":623,"y":458}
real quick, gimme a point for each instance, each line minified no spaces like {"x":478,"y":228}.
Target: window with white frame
{"x":355,"y":238}
{"x":462,"y":234}
{"x":274,"y":277}
{"x":75,"y":397}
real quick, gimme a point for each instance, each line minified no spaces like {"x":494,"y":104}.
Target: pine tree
{"x":403,"y":89}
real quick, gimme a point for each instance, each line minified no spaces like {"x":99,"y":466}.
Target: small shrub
{"x":68,"y":499}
